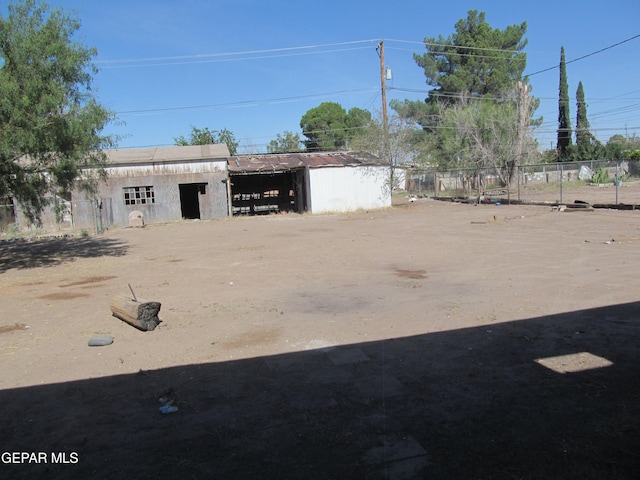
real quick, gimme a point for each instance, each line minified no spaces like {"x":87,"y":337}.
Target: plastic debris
{"x":168,"y":409}
{"x":168,"y":399}
{"x":100,"y":340}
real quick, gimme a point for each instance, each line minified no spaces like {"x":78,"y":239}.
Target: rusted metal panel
{"x":294,"y":161}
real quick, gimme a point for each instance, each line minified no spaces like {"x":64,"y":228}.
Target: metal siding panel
{"x":166,"y":169}
{"x":346,"y":189}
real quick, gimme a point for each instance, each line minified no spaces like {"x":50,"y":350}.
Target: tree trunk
{"x":141,"y":314}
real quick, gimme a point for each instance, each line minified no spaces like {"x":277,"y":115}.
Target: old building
{"x":163,"y":184}
{"x":155,"y":185}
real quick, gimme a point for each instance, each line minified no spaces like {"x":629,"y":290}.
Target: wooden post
{"x":141,"y":314}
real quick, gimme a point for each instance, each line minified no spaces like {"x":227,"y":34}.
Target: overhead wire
{"x":245,"y":103}
{"x":229,"y":56}
{"x":306,"y":50}
{"x":584,"y":56}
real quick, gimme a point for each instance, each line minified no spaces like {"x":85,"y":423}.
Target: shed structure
{"x":307,"y":182}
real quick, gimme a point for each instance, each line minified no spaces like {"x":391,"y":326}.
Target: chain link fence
{"x":593,"y":182}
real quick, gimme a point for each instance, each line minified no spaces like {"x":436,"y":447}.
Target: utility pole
{"x":385,"y":120}
{"x":383,"y":83}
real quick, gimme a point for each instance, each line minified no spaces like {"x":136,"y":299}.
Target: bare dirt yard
{"x":429,"y":340}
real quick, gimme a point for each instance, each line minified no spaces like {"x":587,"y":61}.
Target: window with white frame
{"x":138,"y":195}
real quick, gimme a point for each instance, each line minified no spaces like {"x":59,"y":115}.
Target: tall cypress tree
{"x":564,"y":119}
{"x":583,"y":136}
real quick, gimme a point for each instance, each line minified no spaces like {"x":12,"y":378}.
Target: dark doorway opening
{"x":265,"y":193}
{"x":190,"y":199}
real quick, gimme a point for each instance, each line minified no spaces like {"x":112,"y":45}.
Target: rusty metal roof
{"x":293,"y":161}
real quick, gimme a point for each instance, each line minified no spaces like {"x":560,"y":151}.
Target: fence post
{"x":617,"y":182}
{"x":95,"y":216}
{"x":561,"y":169}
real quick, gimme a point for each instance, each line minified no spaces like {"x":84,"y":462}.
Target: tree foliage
{"x":330,"y":127}
{"x":479,"y":113}
{"x":564,"y":117}
{"x":482,"y":134}
{"x":622,"y":148}
{"x":50,"y":122}
{"x":582,"y":123}
{"x":477,"y":60}
{"x":287,"y":142}
{"x":587,"y":146}
{"x":205,"y":136}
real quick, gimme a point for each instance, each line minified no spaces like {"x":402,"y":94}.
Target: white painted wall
{"x":347,"y":189}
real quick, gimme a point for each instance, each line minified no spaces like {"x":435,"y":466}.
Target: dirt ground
{"x":429,"y":340}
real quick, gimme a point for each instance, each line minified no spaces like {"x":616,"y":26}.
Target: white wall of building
{"x":347,"y":189}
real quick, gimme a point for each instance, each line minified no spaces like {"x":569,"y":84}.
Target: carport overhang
{"x":279,"y":183}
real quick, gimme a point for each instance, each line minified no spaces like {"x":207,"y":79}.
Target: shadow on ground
{"x":21,"y":254}
{"x":465,"y":404}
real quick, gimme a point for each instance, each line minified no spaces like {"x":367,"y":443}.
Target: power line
{"x":248,"y":103}
{"x":220,"y":60}
{"x":435,"y":44}
{"x":262,"y":54}
{"x":226,"y":56}
{"x":584,"y":56}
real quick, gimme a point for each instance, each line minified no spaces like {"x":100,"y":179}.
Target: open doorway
{"x":190,"y":199}
{"x":265,"y":193}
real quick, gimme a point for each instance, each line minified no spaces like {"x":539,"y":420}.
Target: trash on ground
{"x":100,"y":340}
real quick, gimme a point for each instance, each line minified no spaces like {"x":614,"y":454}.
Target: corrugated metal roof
{"x":292,"y":161}
{"x":218,"y":151}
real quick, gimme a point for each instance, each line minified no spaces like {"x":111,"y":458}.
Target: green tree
{"x":484,"y":134}
{"x":204,"y":136}
{"x":329,"y":127}
{"x":564,"y":145}
{"x":587,"y":146}
{"x":357,"y":118}
{"x":620,"y":147}
{"x":583,"y":136}
{"x":287,"y":142}
{"x":50,"y":122}
{"x":477,"y":60}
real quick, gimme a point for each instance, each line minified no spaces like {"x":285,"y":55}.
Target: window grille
{"x":139,"y":195}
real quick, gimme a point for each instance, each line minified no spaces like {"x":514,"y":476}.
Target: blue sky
{"x":255,"y":67}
